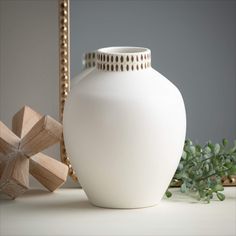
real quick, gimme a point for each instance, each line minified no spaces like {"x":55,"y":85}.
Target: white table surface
{"x":68,"y":212}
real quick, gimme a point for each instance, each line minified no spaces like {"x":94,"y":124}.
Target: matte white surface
{"x":68,"y":212}
{"x":124,"y":128}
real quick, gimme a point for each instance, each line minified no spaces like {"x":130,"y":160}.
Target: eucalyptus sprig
{"x":201,"y":169}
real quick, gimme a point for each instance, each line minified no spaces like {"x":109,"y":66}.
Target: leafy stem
{"x":201,"y":169}
{"x":215,"y":173}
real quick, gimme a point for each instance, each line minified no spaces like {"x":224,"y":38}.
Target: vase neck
{"x":123,"y":59}
{"x":89,"y":60}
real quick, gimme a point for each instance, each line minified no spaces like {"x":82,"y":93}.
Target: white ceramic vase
{"x":88,"y":62}
{"x":124,"y":129}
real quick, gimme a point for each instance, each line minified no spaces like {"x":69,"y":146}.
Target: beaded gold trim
{"x":64,"y":72}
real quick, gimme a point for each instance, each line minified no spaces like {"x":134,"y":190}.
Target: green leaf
{"x":183,"y":188}
{"x":225,"y":142}
{"x":232,"y":170}
{"x":218,"y":187}
{"x":188,"y":142}
{"x":211,"y":146}
{"x":184,"y":155}
{"x":198,"y":148}
{"x":193,"y":150}
{"x":207,"y":167}
{"x":217,"y":148}
{"x":220,"y":196}
{"x":168,"y":194}
{"x":180,"y":167}
{"x":207,"y":149}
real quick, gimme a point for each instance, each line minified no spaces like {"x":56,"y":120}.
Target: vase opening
{"x":121,"y":59}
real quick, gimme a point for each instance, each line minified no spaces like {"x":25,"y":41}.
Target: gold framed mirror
{"x":179,"y":17}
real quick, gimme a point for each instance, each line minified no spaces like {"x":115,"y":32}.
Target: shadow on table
{"x":30,"y":193}
{"x":34,"y":200}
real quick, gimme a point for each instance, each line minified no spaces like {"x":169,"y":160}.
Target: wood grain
{"x":15,"y":177}
{"x":48,"y":171}
{"x":9,"y":142}
{"x":44,"y":134}
{"x":24,"y":120}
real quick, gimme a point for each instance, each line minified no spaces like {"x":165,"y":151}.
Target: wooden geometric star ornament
{"x":20,"y":153}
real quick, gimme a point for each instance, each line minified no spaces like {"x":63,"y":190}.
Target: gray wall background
{"x":29,"y":60}
{"x":193,"y":44}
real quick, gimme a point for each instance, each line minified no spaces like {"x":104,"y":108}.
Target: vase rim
{"x":119,"y":50}
{"x":116,"y":59}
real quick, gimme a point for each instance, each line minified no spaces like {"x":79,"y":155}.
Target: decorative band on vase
{"x":89,"y":60}
{"x":123,"y":59}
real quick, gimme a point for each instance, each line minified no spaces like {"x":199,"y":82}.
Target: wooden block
{"x":48,"y":171}
{"x":45,"y":133}
{"x":3,"y":157}
{"x":36,"y":133}
{"x":15,"y":177}
{"x":2,"y":167}
{"x":24,"y":120}
{"x":9,"y":142}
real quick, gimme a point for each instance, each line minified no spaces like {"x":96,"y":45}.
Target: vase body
{"x":124,"y":129}
{"x":88,"y":62}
